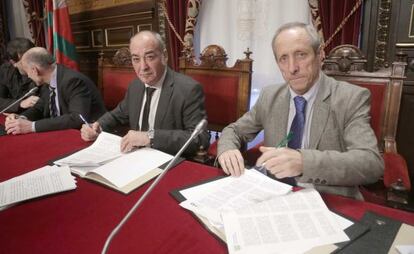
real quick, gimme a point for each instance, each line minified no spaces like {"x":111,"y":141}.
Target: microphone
{"x":198,"y":129}
{"x":30,"y":92}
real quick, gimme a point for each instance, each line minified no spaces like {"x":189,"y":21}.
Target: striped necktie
{"x":52,"y":102}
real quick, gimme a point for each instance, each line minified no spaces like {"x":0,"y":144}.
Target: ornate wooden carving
{"x":383,"y":31}
{"x":213,"y":56}
{"x":345,"y":58}
{"x":122,"y":57}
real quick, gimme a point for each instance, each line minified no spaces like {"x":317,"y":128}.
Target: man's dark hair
{"x":17,"y":47}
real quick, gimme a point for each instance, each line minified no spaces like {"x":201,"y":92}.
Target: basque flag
{"x":60,"y":39}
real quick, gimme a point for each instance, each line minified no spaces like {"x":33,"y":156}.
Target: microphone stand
{"x":33,"y":90}
{"x":148,"y":191}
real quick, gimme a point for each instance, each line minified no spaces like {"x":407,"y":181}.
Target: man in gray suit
{"x":333,"y":149}
{"x":162,"y":107}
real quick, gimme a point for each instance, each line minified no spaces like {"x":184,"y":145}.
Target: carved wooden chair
{"x":226,"y":89}
{"x":114,"y":75}
{"x":346,"y":62}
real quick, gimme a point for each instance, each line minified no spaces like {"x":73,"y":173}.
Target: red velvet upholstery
{"x":114,"y":75}
{"x":226,"y":89}
{"x":115,"y":84}
{"x":220,"y":97}
{"x":377,"y":104}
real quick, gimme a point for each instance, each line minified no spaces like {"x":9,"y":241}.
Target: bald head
{"x":39,"y":57}
{"x":38,"y":64}
{"x":149,"y":36}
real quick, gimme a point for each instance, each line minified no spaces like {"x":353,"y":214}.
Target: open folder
{"x":104,"y":163}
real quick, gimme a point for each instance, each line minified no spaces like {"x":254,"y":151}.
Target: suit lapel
{"x":165,"y":96}
{"x":140,"y":98}
{"x":281,"y":115}
{"x":320,"y":114}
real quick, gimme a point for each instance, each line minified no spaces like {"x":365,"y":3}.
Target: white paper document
{"x":131,"y":166}
{"x":292,"y":223}
{"x":211,"y":199}
{"x":40,"y":182}
{"x":105,"y":148}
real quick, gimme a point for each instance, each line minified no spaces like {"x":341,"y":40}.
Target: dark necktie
{"x":52,"y":102}
{"x":298,"y":123}
{"x":296,"y":128}
{"x":145,"y":124}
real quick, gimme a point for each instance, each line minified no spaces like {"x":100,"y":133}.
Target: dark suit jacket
{"x":180,"y":108}
{"x":77,"y":94}
{"x":13,"y":85}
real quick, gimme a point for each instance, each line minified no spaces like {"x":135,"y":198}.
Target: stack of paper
{"x":103,"y":162}
{"x":105,"y":148}
{"x":43,"y":181}
{"x":256,"y":214}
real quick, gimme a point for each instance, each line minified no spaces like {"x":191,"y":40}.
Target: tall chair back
{"x":226,"y":89}
{"x":346,"y":62}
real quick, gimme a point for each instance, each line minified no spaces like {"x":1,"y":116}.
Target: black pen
{"x":283,"y":143}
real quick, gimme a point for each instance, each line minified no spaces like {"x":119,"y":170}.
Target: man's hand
{"x":16,"y":125}
{"x":90,"y":133}
{"x":134,"y":139}
{"x":29,"y":102}
{"x":232,"y":162}
{"x":281,"y":162}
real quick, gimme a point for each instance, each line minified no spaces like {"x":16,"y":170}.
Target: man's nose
{"x":143,"y":64}
{"x":293,"y":67}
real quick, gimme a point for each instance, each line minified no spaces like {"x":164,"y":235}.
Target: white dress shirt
{"x":310,"y":99}
{"x":154,"y":102}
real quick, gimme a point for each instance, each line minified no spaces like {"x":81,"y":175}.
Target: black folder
{"x":379,"y":238}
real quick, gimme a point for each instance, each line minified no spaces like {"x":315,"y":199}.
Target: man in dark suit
{"x":67,"y":95}
{"x":13,"y":82}
{"x":162,"y":107}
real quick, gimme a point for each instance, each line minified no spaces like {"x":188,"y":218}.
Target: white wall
{"x":238,"y":24}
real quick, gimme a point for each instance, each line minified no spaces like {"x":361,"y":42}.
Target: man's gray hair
{"x":157,"y":36}
{"x":40,"y":57}
{"x":310,"y":30}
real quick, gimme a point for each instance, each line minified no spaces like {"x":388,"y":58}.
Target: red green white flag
{"x":60,"y":39}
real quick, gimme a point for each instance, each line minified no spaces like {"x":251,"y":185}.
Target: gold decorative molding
{"x":77,"y":6}
{"x":404,"y":45}
{"x":411,"y":28}
{"x":383,"y":27}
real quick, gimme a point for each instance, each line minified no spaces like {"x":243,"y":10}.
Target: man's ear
{"x":165,"y":57}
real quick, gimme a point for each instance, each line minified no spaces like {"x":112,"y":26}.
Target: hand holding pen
{"x":282,"y":162}
{"x":283,"y":143}
{"x":89,"y":132}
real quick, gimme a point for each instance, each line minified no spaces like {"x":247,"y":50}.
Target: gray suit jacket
{"x":343,"y":150}
{"x":180,"y":108}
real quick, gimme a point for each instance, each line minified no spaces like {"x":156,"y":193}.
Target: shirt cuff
{"x":33,"y":126}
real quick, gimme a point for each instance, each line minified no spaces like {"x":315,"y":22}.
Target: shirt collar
{"x":53,"y":79}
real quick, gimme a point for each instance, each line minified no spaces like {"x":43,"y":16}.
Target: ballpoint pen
{"x":84,"y":120}
{"x":283,"y":143}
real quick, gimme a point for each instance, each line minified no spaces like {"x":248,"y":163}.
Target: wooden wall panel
{"x":108,"y":29}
